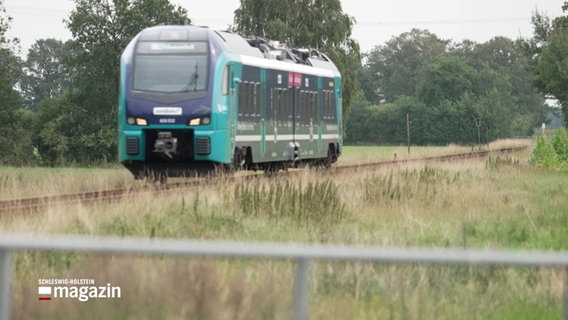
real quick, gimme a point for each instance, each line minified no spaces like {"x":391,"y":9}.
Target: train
{"x":193,"y":100}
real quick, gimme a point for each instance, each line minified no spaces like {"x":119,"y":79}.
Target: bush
{"x":552,"y":153}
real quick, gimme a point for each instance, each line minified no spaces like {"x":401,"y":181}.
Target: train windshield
{"x":170,"y":67}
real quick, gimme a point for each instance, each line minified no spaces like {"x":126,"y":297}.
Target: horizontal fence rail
{"x":302,"y":254}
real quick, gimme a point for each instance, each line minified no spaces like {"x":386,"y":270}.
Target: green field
{"x":500,"y":202}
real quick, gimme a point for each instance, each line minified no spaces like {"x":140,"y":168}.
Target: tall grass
{"x":25,"y":182}
{"x":296,"y":201}
{"x":494,"y":203}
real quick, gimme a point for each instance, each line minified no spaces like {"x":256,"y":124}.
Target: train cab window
{"x":170,"y":67}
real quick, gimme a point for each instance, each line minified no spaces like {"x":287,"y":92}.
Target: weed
{"x":311,"y":202}
{"x":405,"y":185}
{"x":494,"y":163}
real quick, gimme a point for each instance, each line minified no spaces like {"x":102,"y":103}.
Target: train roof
{"x":273,"y":50}
{"x":255,"y":47}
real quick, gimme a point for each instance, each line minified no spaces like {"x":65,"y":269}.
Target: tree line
{"x":58,"y":105}
{"x":452,"y":92}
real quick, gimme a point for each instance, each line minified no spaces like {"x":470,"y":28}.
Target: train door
{"x":269,"y":129}
{"x":277,"y":129}
{"x":233,"y":96}
{"x":307,"y":138}
{"x":319,"y":116}
{"x":263,"y":112}
{"x":294,"y":85}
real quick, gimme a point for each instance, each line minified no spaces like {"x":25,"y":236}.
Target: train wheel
{"x":331,"y":157}
{"x":239,"y":158}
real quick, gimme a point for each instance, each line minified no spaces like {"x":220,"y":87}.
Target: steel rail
{"x":35,"y":203}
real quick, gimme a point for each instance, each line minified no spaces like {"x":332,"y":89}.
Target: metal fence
{"x":302,"y":254}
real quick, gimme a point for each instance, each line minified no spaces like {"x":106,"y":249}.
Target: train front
{"x":166,"y":124}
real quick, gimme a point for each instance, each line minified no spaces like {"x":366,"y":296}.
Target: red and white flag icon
{"x":44,"y":293}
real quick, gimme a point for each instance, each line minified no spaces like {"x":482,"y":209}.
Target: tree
{"x":458,"y":97}
{"x":55,"y":124}
{"x":15,"y":144}
{"x":446,"y":78}
{"x":101,"y":29}
{"x":542,"y":27}
{"x":552,"y":70}
{"x":319,"y":24}
{"x":46,"y":72}
{"x":393,"y":69}
{"x":508,"y":59}
{"x":549,"y":52}
{"x":355,"y":131}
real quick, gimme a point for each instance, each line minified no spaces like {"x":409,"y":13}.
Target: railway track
{"x":448,"y":157}
{"x":32,"y":204}
{"x":27,"y":205}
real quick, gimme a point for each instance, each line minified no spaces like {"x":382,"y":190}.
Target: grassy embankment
{"x":501,"y":202}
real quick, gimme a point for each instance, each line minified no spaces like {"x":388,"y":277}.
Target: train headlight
{"x":199,"y":121}
{"x":141,"y":122}
{"x":136,"y":121}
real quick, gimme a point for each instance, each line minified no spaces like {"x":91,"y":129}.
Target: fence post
{"x":301,"y":290}
{"x":5,"y":296}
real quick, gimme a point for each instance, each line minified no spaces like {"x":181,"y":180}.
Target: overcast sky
{"x":377,"y":21}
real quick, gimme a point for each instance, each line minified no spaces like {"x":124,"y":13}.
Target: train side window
{"x":284,"y":103}
{"x":250,"y":99}
{"x":302,"y":112}
{"x":259,"y":98}
{"x":313,"y":99}
{"x":278,"y":107}
{"x":246,"y":108}
{"x":328,"y":107}
{"x":299,"y":105}
{"x":325,"y":105}
{"x":256,"y":104}
{"x":331,"y":106}
{"x":241,"y":102}
{"x":225,"y":84}
{"x":305,"y":112}
{"x":288,"y":108}
{"x":283,"y":106}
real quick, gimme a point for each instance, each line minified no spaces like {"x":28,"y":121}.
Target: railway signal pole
{"x":478,"y":124}
{"x":408,"y":131}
